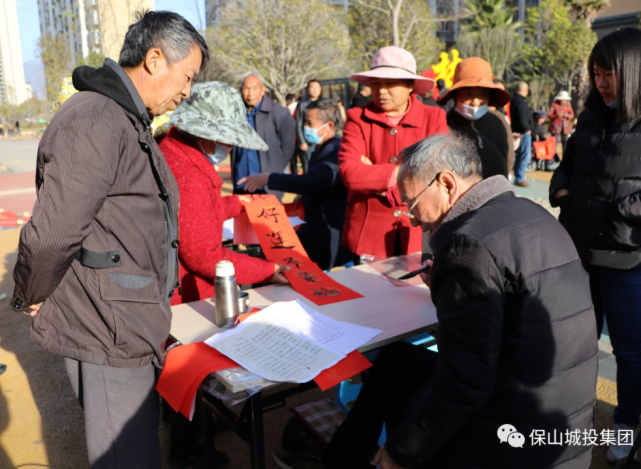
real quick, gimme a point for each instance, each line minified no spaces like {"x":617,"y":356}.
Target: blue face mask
{"x":219,"y":154}
{"x":311,"y":135}
{"x":614,"y":104}
{"x":471,"y":113}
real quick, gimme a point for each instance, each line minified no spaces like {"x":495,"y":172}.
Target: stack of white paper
{"x":289,"y":341}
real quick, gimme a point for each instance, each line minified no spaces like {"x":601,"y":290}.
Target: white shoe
{"x":617,"y":452}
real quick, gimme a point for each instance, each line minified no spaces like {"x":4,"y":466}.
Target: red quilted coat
{"x":370,"y":224}
{"x":201,"y":215}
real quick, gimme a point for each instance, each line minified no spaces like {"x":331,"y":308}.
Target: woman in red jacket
{"x":205,"y":127}
{"x":373,"y":139}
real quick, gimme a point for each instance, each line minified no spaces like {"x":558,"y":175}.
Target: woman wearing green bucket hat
{"x":205,"y":127}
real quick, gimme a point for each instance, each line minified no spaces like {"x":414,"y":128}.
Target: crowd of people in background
{"x":521,"y":298}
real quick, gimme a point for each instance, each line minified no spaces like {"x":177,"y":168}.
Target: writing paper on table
{"x":288,"y":341}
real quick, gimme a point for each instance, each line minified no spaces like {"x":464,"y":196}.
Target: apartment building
{"x":13,"y":89}
{"x":89,"y":25}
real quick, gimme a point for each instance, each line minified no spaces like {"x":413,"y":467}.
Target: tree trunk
{"x":396,"y":14}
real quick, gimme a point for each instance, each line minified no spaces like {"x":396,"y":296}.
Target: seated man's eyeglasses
{"x":408,"y":213}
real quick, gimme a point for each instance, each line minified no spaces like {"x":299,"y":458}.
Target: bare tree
{"x":287,"y":41}
{"x":500,"y":46}
{"x":114,"y":18}
{"x":408,"y":24}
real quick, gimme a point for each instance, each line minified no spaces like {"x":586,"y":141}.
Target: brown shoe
{"x":522,"y":183}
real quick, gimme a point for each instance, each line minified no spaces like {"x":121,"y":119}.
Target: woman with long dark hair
{"x":598,"y":187}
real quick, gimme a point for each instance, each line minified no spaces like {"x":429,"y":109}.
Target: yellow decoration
{"x":446,"y":67}
{"x":66,"y":90}
{"x":159,"y":126}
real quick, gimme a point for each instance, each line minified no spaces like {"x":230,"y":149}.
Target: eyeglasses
{"x":408,"y":213}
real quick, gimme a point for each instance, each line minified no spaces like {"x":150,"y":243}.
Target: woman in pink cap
{"x":373,"y":138}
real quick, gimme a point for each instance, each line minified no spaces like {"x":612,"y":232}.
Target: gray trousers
{"x":121,"y":414}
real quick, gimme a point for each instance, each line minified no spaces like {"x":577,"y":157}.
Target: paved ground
{"x":17,"y":174}
{"x":18,"y":155}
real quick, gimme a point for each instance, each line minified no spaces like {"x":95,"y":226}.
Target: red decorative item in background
{"x":546,"y":149}
{"x":11,"y":219}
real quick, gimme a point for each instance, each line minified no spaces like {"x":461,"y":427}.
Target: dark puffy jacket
{"x":601,"y":168}
{"x":521,"y":114}
{"x":517,"y":340}
{"x":489,"y":135}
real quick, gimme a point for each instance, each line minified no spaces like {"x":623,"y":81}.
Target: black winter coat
{"x":489,"y":135}
{"x":324,"y":201}
{"x":601,"y":168}
{"x":300,"y":116}
{"x":521,"y":114}
{"x":517,"y":340}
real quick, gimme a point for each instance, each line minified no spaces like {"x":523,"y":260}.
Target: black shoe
{"x":194,"y":461}
{"x":287,"y":460}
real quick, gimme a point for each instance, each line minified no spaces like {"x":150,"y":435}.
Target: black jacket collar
{"x":477,"y":196}
{"x":111,"y":80}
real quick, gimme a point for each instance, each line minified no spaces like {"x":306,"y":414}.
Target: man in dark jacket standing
{"x":517,"y":345}
{"x":276,"y":127}
{"x":522,"y":123}
{"x":97,"y":262}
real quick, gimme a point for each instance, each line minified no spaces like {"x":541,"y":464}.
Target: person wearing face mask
{"x":324,"y":196}
{"x":371,"y":152}
{"x":204,"y":130}
{"x":598,"y":187}
{"x":305,"y":150}
{"x":473,"y":91}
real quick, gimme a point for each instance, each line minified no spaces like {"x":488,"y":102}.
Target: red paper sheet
{"x":185,"y":368}
{"x":349,"y":366}
{"x":292,"y":211}
{"x":282,"y":246}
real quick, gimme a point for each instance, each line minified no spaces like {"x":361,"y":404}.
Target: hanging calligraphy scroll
{"x":281,"y":245}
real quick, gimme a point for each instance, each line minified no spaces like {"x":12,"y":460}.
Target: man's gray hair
{"x":168,"y":31}
{"x":452,"y":152}
{"x":252,"y":74}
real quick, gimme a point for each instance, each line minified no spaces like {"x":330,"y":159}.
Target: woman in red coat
{"x":205,"y":127}
{"x":373,"y":139}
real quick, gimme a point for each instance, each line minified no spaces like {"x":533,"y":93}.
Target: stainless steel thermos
{"x":226,"y":292}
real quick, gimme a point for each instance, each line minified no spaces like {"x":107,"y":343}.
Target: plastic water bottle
{"x":226,"y":298}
